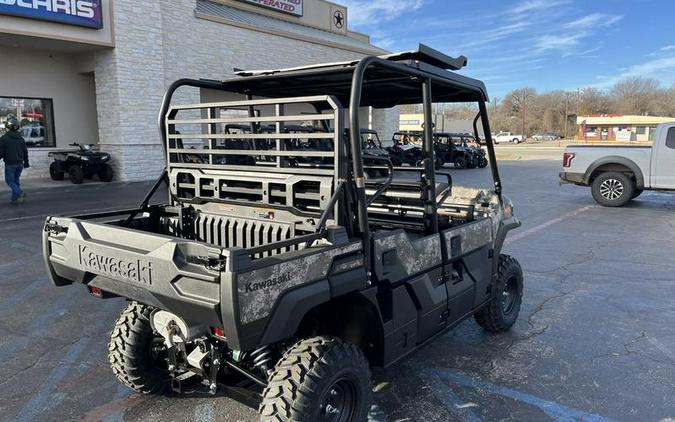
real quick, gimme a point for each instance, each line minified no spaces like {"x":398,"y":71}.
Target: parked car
{"x":543,"y":137}
{"x":502,"y":137}
{"x":617,"y":174}
{"x":33,"y":135}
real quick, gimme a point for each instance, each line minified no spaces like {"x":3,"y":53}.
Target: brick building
{"x":618,"y":127}
{"x":97,"y":73}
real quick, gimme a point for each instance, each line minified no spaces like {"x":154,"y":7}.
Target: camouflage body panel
{"x":411,"y":256}
{"x":468,"y":237}
{"x":259,"y":289}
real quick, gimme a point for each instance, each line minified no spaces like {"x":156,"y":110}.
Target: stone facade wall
{"x":159,"y":42}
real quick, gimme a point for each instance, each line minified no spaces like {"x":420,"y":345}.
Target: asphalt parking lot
{"x":595,"y":340}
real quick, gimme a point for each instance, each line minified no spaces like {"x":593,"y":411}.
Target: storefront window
{"x":36,"y":117}
{"x":641,"y":130}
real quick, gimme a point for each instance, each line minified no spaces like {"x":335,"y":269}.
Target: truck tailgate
{"x":175,"y":274}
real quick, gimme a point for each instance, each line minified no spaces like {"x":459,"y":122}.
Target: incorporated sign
{"x":71,"y":12}
{"x":294,"y":7}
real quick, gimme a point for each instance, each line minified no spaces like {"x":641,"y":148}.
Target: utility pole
{"x":567,"y":104}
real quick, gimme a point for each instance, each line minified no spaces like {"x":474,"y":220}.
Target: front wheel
{"x":106,"y":174}
{"x":460,"y":163}
{"x":502,"y":311}
{"x":76,"y":174}
{"x":612,"y":189}
{"x":319,"y":379}
{"x":55,"y":172}
{"x":138,"y":357}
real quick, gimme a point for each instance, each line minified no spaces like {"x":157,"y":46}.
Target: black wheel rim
{"x":339,"y":402}
{"x":509,"y":295}
{"x":157,"y":352}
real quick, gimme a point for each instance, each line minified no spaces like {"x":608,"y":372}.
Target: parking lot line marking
{"x":556,"y":411}
{"x":540,"y":227}
{"x":452,"y":401}
{"x":36,"y":329}
{"x":31,"y":217}
{"x":43,"y":400}
{"x":18,"y":297}
{"x":39,"y":402}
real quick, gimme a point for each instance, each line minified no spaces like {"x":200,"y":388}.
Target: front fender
{"x":505,"y":226}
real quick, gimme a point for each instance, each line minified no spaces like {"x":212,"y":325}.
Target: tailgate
{"x":178,"y":275}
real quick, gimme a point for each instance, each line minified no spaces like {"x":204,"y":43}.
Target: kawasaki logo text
{"x":135,"y":270}
{"x":275,"y":281}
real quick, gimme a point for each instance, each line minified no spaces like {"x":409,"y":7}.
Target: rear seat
{"x":401,"y":205}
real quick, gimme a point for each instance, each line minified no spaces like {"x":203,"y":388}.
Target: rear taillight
{"x":567,"y":159}
{"x":218,"y":332}
{"x":95,"y":291}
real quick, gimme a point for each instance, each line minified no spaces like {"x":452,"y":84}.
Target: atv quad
{"x":80,"y":164}
{"x":290,"y":281}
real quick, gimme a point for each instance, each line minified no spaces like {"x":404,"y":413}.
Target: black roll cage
{"x":425,"y":73}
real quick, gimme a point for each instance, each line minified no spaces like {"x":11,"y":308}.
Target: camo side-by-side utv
{"x":289,"y":281}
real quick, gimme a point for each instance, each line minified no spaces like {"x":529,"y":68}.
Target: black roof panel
{"x":383,"y":87}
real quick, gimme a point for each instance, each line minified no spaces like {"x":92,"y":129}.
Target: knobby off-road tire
{"x":502,"y":311}
{"x":319,"y":379}
{"x":106,"y":174}
{"x":130,"y":352}
{"x":55,"y":173}
{"x":460,"y":163}
{"x":76,"y":175}
{"x":612,"y":189}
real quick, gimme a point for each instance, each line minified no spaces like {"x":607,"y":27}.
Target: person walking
{"x":14,"y":152}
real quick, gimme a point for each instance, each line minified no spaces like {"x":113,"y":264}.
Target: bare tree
{"x":635,"y":95}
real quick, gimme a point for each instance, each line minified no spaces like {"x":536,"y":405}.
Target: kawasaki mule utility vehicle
{"x":290,"y":280}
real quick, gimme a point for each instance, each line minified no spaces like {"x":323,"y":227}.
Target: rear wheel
{"x":136,"y":355}
{"x":502,"y":311}
{"x":516,"y":141}
{"x":612,"y":189}
{"x":76,"y":174}
{"x":55,"y":172}
{"x":106,"y":174}
{"x":319,"y":379}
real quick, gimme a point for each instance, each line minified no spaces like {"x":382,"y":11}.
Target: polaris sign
{"x":71,"y":12}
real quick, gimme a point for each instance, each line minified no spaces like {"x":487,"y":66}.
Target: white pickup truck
{"x":507,"y":137}
{"x":619,"y":173}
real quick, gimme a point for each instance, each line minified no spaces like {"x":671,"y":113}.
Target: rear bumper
{"x":575,"y":178}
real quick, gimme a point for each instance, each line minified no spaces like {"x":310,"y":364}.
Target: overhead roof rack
{"x":423,"y":54}
{"x":383,"y":86}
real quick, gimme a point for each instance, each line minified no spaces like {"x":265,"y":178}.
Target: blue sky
{"x":543,"y":44}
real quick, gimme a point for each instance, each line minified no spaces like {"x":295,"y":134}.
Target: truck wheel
{"x":55,"y":173}
{"x":136,"y":355}
{"x":320,"y":378}
{"x":516,"y":141}
{"x":460,"y":163}
{"x":502,"y":311}
{"x":106,"y":174}
{"x":76,"y":175}
{"x":612,"y":189}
